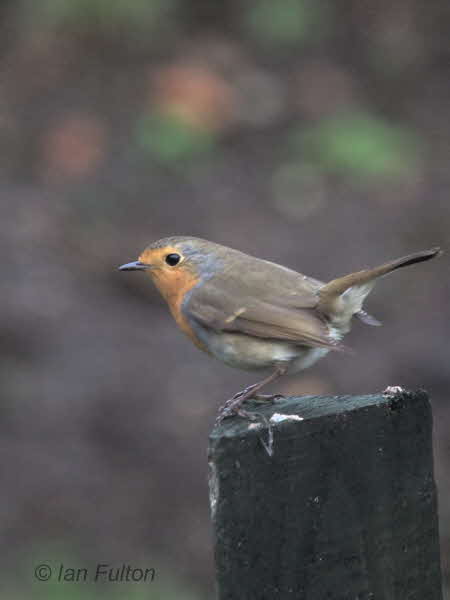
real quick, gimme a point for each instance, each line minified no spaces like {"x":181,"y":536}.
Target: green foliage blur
{"x":359,"y":145}
{"x":169,"y":140}
{"x":176,"y":590}
{"x":354,"y":144}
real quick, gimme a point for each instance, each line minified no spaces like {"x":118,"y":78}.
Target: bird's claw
{"x":233,"y":408}
{"x":264,"y":398}
{"x":245,"y":391}
{"x":230,"y":409}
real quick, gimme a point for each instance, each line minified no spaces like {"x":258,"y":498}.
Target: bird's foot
{"x":265,"y":398}
{"x":233,"y":406}
{"x":245,"y":391}
{"x":258,"y":397}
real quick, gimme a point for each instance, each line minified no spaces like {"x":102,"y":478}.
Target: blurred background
{"x":314,"y":134}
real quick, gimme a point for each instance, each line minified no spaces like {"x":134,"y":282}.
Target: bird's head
{"x":178,"y":262}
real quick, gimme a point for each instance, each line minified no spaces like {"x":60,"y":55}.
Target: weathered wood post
{"x":344,"y":509}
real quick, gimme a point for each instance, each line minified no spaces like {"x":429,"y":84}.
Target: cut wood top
{"x":314,"y":407}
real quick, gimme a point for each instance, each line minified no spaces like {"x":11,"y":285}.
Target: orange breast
{"x":173,"y":288}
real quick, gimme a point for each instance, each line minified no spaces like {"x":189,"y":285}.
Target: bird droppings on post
{"x":274,"y":419}
{"x":213,"y":487}
{"x":268,"y":446}
{"x":393,"y":390}
{"x":279,"y":418}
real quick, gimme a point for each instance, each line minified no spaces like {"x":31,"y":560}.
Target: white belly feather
{"x":250,"y":353}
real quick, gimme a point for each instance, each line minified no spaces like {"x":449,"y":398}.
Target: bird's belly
{"x":251,"y":353}
{"x":307,"y":358}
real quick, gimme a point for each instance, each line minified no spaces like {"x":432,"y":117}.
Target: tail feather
{"x":343,"y":297}
{"x":368,"y":319}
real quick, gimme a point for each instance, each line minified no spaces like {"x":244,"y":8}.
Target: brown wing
{"x":283,"y":309}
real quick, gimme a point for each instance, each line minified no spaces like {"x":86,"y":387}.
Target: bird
{"x":256,"y":315}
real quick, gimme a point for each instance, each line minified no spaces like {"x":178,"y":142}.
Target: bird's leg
{"x":233,"y":405}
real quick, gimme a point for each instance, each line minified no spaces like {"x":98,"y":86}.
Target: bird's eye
{"x":173,"y":259}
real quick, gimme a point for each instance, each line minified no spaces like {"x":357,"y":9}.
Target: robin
{"x":253,"y":314}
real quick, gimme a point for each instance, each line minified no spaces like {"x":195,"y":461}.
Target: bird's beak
{"x":135,"y":266}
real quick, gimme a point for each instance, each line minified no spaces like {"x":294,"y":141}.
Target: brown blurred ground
{"x":318,"y":140}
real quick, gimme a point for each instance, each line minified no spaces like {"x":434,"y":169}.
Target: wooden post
{"x":344,"y":509}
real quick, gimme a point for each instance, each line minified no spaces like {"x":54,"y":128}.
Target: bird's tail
{"x":343,"y":297}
